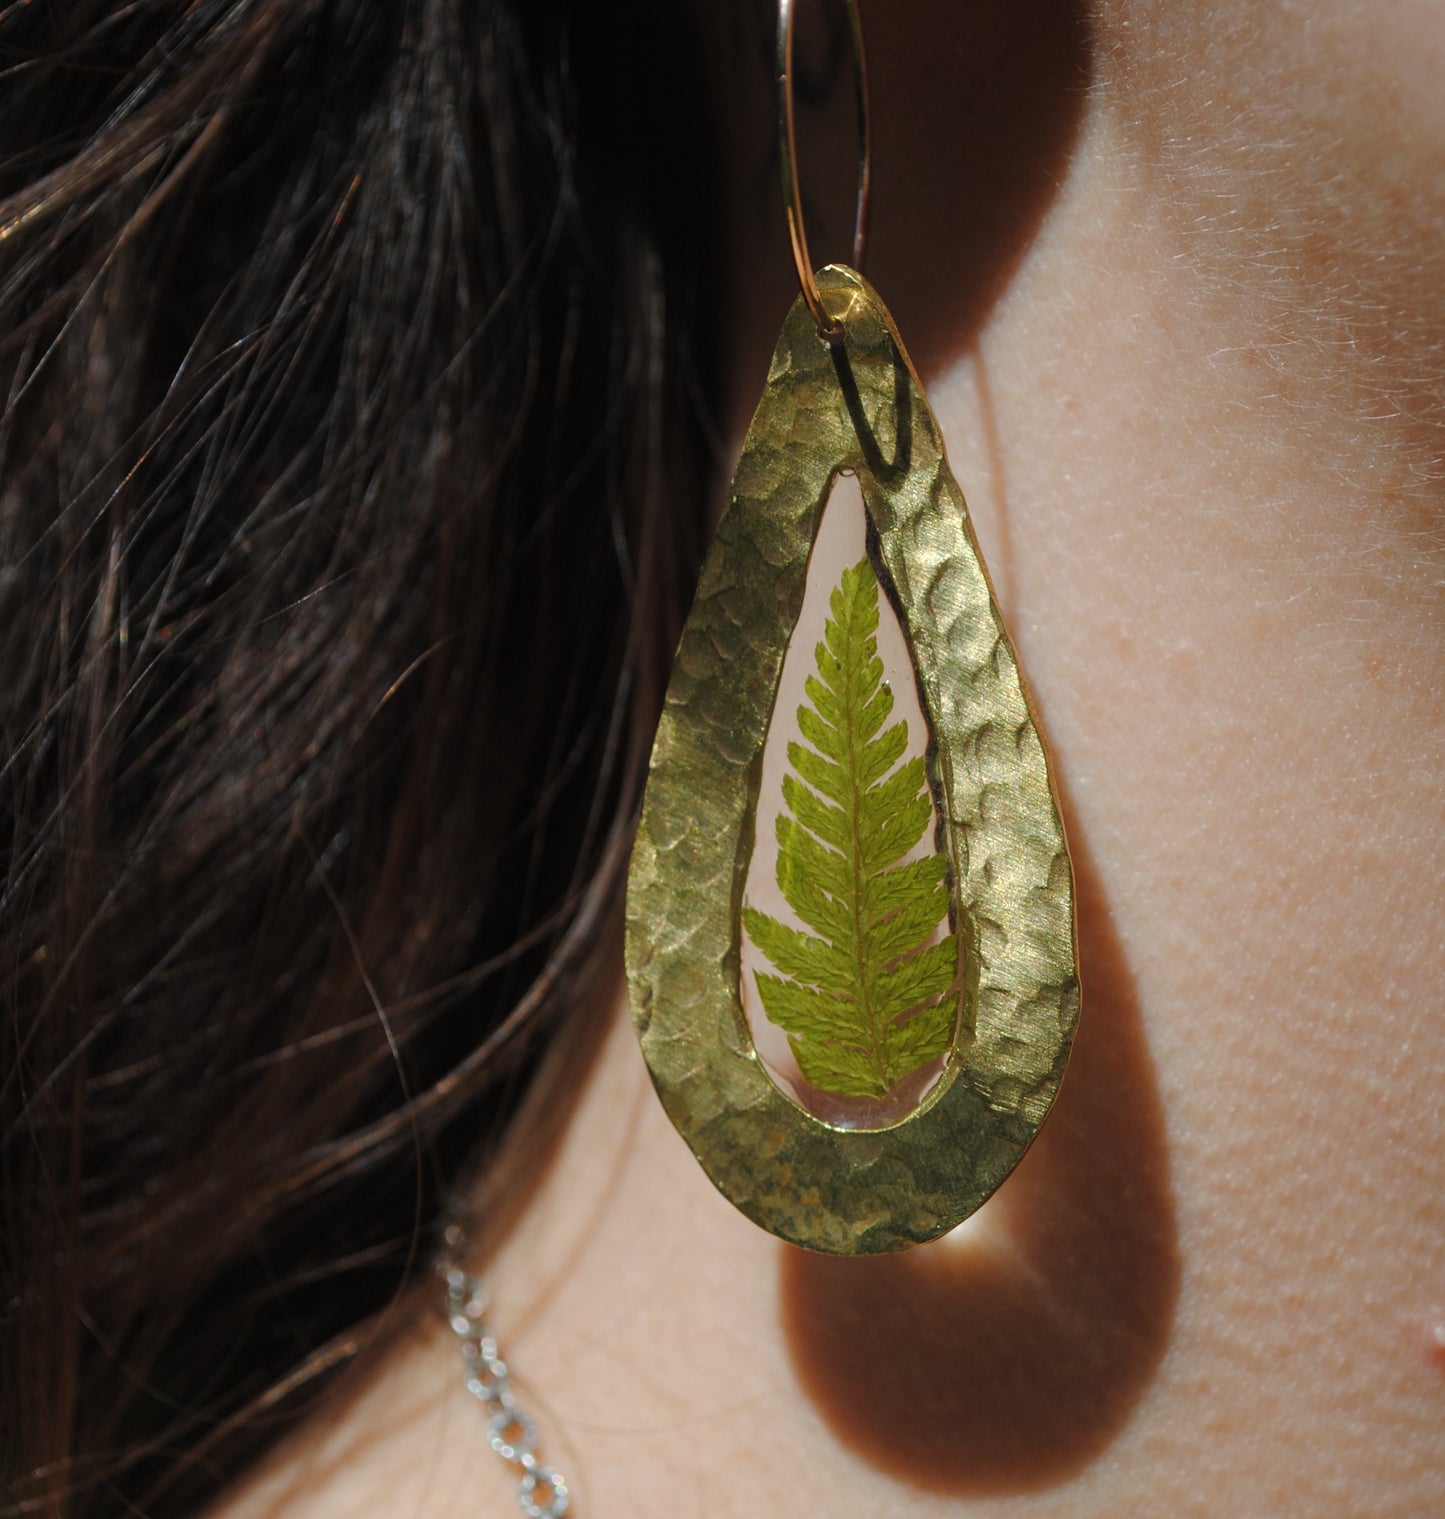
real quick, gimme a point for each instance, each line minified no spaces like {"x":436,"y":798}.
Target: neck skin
{"x":1193,"y":391}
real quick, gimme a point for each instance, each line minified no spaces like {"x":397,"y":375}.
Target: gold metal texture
{"x":825,"y":409}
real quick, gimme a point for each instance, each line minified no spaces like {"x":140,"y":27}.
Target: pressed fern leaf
{"x":865,"y":998}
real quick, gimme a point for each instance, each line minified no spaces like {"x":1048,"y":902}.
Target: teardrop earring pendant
{"x":915,"y":954}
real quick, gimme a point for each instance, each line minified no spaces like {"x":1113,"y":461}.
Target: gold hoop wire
{"x":828,"y":327}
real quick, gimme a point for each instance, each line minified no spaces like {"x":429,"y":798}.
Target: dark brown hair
{"x":349,"y":500}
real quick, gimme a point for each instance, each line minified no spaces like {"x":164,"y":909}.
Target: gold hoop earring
{"x":928,"y":996}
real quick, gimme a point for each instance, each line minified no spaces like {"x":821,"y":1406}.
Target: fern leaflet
{"x":865,"y":998}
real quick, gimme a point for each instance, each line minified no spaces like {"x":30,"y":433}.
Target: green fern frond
{"x":866,"y":998}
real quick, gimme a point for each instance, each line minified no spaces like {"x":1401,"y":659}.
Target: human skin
{"x":1196,"y":398}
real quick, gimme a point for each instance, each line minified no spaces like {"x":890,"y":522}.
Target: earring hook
{"x":828,"y":328}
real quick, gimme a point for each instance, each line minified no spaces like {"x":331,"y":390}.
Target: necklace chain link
{"x":542,"y":1490}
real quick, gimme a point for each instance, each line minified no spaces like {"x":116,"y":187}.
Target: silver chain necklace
{"x":542,"y":1490}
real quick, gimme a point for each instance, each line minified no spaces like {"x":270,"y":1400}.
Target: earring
{"x":905,"y":930}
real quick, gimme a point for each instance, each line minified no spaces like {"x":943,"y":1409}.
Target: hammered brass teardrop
{"x":857,"y":407}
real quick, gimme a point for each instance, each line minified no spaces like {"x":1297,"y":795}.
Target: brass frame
{"x":855,"y":405}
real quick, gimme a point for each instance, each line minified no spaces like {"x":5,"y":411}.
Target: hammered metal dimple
{"x":858,"y":407}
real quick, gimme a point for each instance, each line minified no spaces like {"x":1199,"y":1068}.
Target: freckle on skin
{"x":1436,"y":1344}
